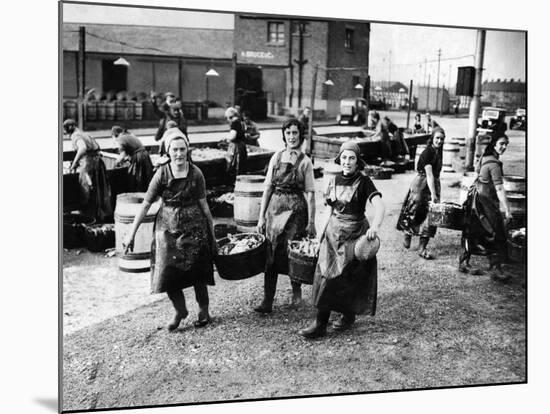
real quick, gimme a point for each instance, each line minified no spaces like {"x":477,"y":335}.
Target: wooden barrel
{"x":127,"y":206}
{"x":138,"y":115}
{"x":70,"y":110}
{"x":91,"y":110}
{"x":101,"y":110}
{"x":419,"y":150}
{"x":461,"y":141}
{"x":450,"y":152}
{"x":130,"y":110}
{"x":249,"y":190}
{"x":120,"y":110}
{"x":110,"y":112}
{"x":330,"y":170}
{"x":516,"y":202}
{"x":465,"y":184}
{"x":514,"y":184}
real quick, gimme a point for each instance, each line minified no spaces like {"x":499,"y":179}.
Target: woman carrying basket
{"x":183,"y":237}
{"x":287,"y":210}
{"x":343,"y":282}
{"x":484,"y":230}
{"x":426,"y":187}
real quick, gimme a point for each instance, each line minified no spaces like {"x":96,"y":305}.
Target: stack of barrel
{"x":514,"y":185}
{"x":450,"y":155}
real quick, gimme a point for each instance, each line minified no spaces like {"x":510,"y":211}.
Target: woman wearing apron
{"x":236,"y":150}
{"x":426,"y":187}
{"x":183,"y":238}
{"x":287,"y":210}
{"x":343,"y":283}
{"x":95,"y":191}
{"x":130,"y":147}
{"x":484,"y":230}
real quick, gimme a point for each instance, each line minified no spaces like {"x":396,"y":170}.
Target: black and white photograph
{"x":289,"y":208}
{"x":252,"y":201}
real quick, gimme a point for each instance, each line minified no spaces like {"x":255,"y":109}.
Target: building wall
{"x":509,"y":100}
{"x":70,"y":87}
{"x":427,"y":99}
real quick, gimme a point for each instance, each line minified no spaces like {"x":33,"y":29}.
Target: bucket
{"x":450,"y":152}
{"x":127,"y":206}
{"x":249,"y":190}
{"x":514,"y":184}
{"x":419,"y":150}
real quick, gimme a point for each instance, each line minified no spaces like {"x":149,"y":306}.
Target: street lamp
{"x":328,"y":82}
{"x":211,"y":73}
{"x":121,"y":62}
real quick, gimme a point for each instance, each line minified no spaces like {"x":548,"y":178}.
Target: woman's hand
{"x":508,"y":216}
{"x":310,"y":229}
{"x":372,"y":233}
{"x":128,"y":244}
{"x":261,"y":225}
{"x":435,"y":199}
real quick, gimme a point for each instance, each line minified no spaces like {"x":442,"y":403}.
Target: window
{"x":348,"y":42}
{"x":276,"y":33}
{"x":115,"y":77}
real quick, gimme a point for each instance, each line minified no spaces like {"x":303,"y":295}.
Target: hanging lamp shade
{"x":212,"y":72}
{"x":358,"y":86}
{"x":121,"y":61}
{"x":328,"y":82}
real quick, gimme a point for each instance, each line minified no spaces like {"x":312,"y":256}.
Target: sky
{"x":409,"y":45}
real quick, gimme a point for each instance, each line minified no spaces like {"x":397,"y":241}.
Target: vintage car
{"x":519,"y":121}
{"x":492,"y":121}
{"x":353,"y":111}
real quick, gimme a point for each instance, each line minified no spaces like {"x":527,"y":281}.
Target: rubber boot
{"x":178,"y":301}
{"x":423,"y":248}
{"x":201,"y":295}
{"x":296,"y":293}
{"x":270,"y":287}
{"x":318,"y":328}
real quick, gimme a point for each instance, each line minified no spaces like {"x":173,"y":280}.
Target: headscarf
{"x":172,"y":134}
{"x":351,"y":146}
{"x":231,"y":112}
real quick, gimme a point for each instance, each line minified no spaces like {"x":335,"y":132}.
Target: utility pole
{"x":234,"y":65}
{"x":425,"y":69}
{"x":410,"y":103}
{"x":437,"y":90}
{"x":428,"y":94}
{"x":301,"y":61}
{"x":475,"y":103}
{"x":81,"y":75}
{"x":291,"y":66}
{"x":312,"y":104}
{"x":389,"y":71}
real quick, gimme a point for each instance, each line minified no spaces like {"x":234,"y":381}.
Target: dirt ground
{"x":434,"y":327}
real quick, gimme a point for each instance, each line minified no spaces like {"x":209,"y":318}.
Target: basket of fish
{"x":241,"y":256}
{"x":446,"y":215}
{"x":302,"y":260}
{"x":99,"y":237}
{"x":515,"y":244}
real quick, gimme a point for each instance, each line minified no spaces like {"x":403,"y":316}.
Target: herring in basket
{"x":241,"y":256}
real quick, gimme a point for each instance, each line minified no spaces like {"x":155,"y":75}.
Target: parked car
{"x":492,"y":121}
{"x":353,"y":111}
{"x":519,"y":121}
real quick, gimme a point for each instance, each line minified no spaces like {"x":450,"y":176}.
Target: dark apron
{"x":484,"y":231}
{"x":236,"y":158}
{"x":95,"y":191}
{"x":343,"y":283}
{"x":140,"y":171}
{"x":181,"y":253}
{"x":286,"y":216}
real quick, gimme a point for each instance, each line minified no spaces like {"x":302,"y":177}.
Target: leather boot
{"x":178,"y":301}
{"x":318,"y":328}
{"x":344,"y":322}
{"x":296,"y":293}
{"x":270,"y":286}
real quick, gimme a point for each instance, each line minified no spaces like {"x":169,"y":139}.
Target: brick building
{"x":281,"y":54}
{"x":505,"y":94}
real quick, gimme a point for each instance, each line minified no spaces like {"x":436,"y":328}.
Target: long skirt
{"x":286,"y":219}
{"x":413,"y":218}
{"x":236,"y":159}
{"x":342,"y":283}
{"x":95,"y":191}
{"x":140,"y":171}
{"x":484,"y":231}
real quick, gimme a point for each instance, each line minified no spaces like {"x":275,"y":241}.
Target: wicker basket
{"x":241,"y":265}
{"x":446,"y":215}
{"x":74,"y":229}
{"x":99,"y":237}
{"x":301,"y":268}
